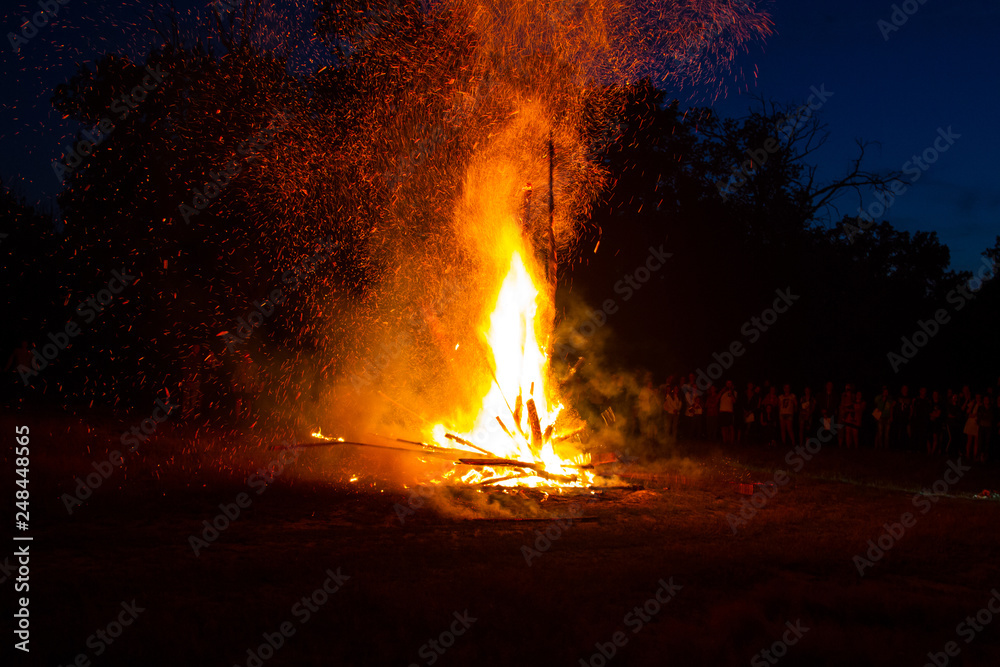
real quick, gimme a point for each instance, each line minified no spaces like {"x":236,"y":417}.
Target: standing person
{"x":828,"y":409}
{"x":856,"y":417}
{"x":672,"y":413}
{"x":786,"y":415}
{"x":901,"y":419}
{"x":986,"y":418}
{"x":769,"y":417}
{"x":971,"y":429}
{"x":649,"y":409}
{"x":953,"y":426}
{"x":751,"y":413}
{"x":807,"y":411}
{"x":845,"y":417}
{"x":698,"y":416}
{"x":689,"y":391}
{"x":727,"y":407}
{"x":739,"y":410}
{"x":966,"y":397}
{"x":884,"y":406}
{"x":920,"y":419}
{"x":936,"y":423}
{"x":712,"y":413}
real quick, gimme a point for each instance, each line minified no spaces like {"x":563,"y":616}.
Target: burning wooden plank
{"x":463,"y":441}
{"x":570,"y":434}
{"x":536,"y":427}
{"x":504,"y":427}
{"x":536,"y":468}
{"x":517,"y":412}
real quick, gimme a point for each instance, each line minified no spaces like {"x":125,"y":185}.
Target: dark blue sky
{"x":938,"y":70}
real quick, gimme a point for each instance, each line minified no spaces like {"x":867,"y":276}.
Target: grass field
{"x":422,"y":573}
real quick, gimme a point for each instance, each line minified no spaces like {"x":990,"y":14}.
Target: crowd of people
{"x":927,"y":420}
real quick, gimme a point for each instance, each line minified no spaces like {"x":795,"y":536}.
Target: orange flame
{"x":519,"y":366}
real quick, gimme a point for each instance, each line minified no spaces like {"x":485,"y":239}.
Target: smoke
{"x":468,"y":105}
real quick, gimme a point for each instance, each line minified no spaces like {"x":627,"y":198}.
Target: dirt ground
{"x":497,"y":578}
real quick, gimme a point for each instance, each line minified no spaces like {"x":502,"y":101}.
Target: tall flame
{"x":519,"y":367}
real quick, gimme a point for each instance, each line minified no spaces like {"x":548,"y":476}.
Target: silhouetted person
{"x":971,"y":429}
{"x":828,"y":405}
{"x":807,"y":414}
{"x":884,"y":405}
{"x":769,"y":417}
{"x":901,"y":419}
{"x":672,"y":406}
{"x":986,"y":420}
{"x":727,"y":409}
{"x":787,"y":403}
{"x":936,"y":423}
{"x":855,"y":417}
{"x":920,"y":419}
{"x":955,"y":423}
{"x":751,"y":413}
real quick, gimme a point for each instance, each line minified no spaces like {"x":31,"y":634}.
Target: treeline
{"x":213,"y":174}
{"x":861,"y":287}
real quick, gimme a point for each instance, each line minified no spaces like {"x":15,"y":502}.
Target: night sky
{"x":938,"y":70}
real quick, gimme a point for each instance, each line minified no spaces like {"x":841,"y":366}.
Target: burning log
{"x":571,"y":434}
{"x":496,"y":480}
{"x":548,"y":433}
{"x":463,"y":441}
{"x":536,"y":427}
{"x":517,"y":413}
{"x":504,"y":427}
{"x":436,"y":451}
{"x":536,"y":468}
